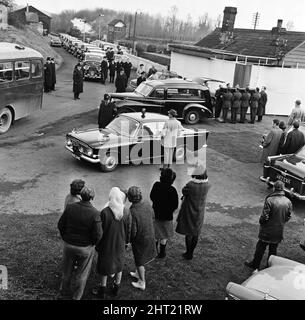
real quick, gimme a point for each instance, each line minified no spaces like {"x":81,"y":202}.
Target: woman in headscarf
{"x":111,"y":248}
{"x":142,"y":237}
{"x":165,"y":201}
{"x":191,"y":214}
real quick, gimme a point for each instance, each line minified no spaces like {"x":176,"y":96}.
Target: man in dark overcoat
{"x":127,"y":68}
{"x":236,"y":104}
{"x":112,"y":67}
{"x":121,"y":82}
{"x":106,"y":112}
{"x":104,"y":70}
{"x":52,"y":64}
{"x":244,"y":105}
{"x":294,"y":141}
{"x":254,"y":104}
{"x":218,"y":105}
{"x":47,"y":75}
{"x":262,"y":104}
{"x":77,"y":81}
{"x":276,"y":212}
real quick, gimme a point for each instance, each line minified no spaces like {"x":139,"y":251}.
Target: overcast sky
{"x":270,"y":10}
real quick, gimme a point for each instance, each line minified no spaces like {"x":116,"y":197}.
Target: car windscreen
{"x":93,"y":58}
{"x":144,"y":89}
{"x":123,"y":126}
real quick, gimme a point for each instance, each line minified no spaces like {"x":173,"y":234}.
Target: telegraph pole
{"x":134,"y":30}
{"x":255,"y":19}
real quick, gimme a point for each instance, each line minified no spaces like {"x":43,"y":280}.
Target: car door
{"x":176,"y":98}
{"x":156,"y":97}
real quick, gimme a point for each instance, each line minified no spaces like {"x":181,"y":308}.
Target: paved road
{"x":36,"y":171}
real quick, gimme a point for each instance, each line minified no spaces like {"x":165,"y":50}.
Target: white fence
{"x":284,"y":85}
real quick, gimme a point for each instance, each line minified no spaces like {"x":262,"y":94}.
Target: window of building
{"x":22,"y":70}
{"x":36,"y":69}
{"x":6,"y":72}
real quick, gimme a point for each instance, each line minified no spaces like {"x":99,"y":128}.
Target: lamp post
{"x":99,"y":26}
{"x":84,"y":39}
{"x":134,"y":30}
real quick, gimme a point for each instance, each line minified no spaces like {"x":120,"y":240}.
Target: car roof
{"x":148,"y":116}
{"x":175,"y":83}
{"x":10,"y":51}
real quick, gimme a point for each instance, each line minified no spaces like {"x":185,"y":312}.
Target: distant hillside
{"x":32,"y":39}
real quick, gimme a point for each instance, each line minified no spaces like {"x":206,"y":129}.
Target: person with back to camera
{"x":276,"y":212}
{"x":294,"y":141}
{"x":76,"y":187}
{"x":192,"y":210}
{"x":142,"y":236}
{"x":106,"y":112}
{"x":165,"y":201}
{"x":262,"y":104}
{"x":244,"y":105}
{"x":254,"y":104}
{"x":112,"y":68}
{"x":235,"y":104}
{"x":111,"y":248}
{"x":226,"y":103}
{"x":121,"y":82}
{"x":282,"y":126}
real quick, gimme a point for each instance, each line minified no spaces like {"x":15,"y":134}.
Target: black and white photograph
{"x":152,"y":152}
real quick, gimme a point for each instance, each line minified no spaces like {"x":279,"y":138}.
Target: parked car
{"x":92,"y":65}
{"x":159,"y":75}
{"x":55,"y":41}
{"x":284,"y":279}
{"x":289,"y":168}
{"x":191,"y":100}
{"x":130,"y":138}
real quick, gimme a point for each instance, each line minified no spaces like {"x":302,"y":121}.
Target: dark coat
{"x":142,"y":235}
{"x":236,"y":100}
{"x":191,"y":214}
{"x":254,"y":100}
{"x":109,"y":55}
{"x":53,"y":69}
{"x":294,"y":141}
{"x":111,"y":247}
{"x":245,"y":100}
{"x":121,"y":83}
{"x":165,"y":200}
{"x":48,"y":75}
{"x":276,"y":212}
{"x":77,"y":81}
{"x":80,"y":224}
{"x":271,"y":143}
{"x":104,"y":68}
{"x":118,"y":67}
{"x":106,"y":113}
{"x":140,"y":80}
{"x":282,"y":142}
{"x":127,"y":68}
{"x":227,"y":100}
{"x":262,"y":103}
{"x":112,"y":67}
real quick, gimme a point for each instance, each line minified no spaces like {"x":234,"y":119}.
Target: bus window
{"x":6,"y":72}
{"x":22,"y":70}
{"x":36,"y":70}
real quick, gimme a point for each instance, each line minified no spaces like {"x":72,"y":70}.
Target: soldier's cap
{"x":279,"y":185}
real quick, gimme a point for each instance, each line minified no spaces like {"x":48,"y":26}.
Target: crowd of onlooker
{"x":146,"y":227}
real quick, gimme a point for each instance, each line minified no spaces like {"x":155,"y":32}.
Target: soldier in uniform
{"x":226,"y":104}
{"x":262,"y":104}
{"x":236,"y":104}
{"x":245,"y":98}
{"x":254,"y":104}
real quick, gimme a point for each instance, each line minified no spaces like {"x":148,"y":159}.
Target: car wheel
{"x":109,"y":162}
{"x":6,"y":119}
{"x":192,"y":117}
{"x":179,"y":153}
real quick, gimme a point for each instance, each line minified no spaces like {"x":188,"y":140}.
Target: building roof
{"x":115,"y":21}
{"x":11,"y":51}
{"x":43,"y":12}
{"x":250,"y":42}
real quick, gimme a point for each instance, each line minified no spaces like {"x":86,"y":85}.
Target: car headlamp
{"x":69,"y":143}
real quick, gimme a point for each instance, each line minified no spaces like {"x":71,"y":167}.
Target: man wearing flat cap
{"x":170,"y":133}
{"x":81,"y":229}
{"x":276,"y":212}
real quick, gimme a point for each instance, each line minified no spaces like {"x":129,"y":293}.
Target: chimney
{"x":279,"y":23}
{"x":27,"y":8}
{"x":278,"y":30}
{"x":228,"y":21}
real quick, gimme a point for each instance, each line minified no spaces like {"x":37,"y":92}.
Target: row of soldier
{"x":239,"y":100}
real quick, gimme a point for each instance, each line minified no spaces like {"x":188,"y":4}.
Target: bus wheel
{"x":192,"y":117}
{"x":6,"y":119}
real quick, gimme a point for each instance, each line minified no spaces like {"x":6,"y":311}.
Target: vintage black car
{"x":289,"y":168}
{"x":92,"y":66}
{"x":191,"y":100}
{"x":131,"y":138}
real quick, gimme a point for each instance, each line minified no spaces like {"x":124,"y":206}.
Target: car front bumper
{"x":82,"y":156}
{"x":289,"y":191}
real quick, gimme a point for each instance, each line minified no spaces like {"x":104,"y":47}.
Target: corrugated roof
{"x":252,"y":42}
